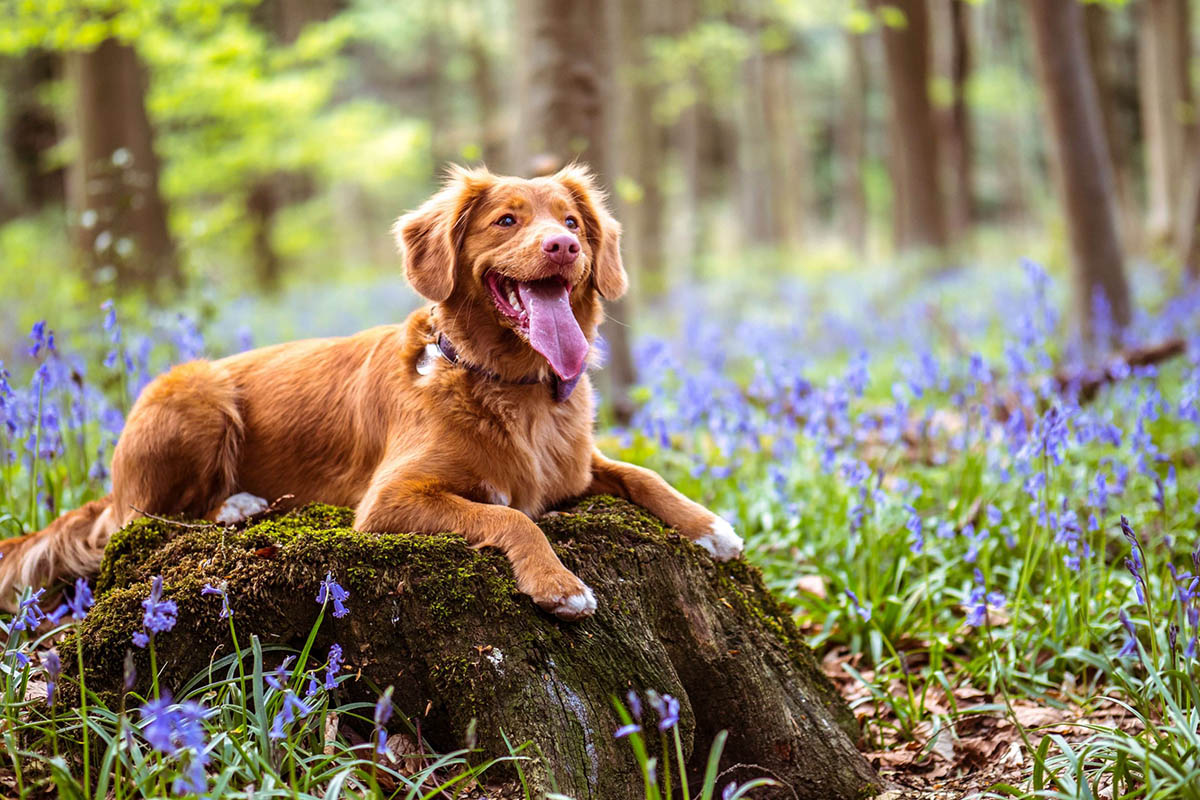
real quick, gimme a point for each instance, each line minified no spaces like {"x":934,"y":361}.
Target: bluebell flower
{"x":81,"y":600}
{"x":383,"y":712}
{"x":293,"y":708}
{"x":332,"y":591}
{"x":862,"y":611}
{"x":226,"y":611}
{"x":979,"y":601}
{"x":177,"y":731}
{"x":666,"y":707}
{"x":278,"y":678}
{"x":29,"y":614}
{"x":333,"y":665}
{"x":1129,"y":648}
{"x":158,"y":614}
{"x":626,"y":730}
{"x":53,"y":667}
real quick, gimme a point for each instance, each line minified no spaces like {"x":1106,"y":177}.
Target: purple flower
{"x":635,"y":704}
{"x":333,"y":664}
{"x":862,"y":611}
{"x":293,"y":708}
{"x":383,"y":712}
{"x":979,"y":601}
{"x":331,"y":590}
{"x":626,"y":730}
{"x":81,"y":600}
{"x":177,"y":731}
{"x":158,"y":616}
{"x":667,"y":708}
{"x":43,"y":339}
{"x":226,"y":611}
{"x":29,"y":614}
{"x":1130,"y":646}
{"x":53,"y":667}
{"x":277,"y":678}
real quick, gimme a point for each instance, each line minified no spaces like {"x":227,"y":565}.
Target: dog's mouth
{"x":541,"y":312}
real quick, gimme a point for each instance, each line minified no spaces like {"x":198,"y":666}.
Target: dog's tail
{"x":69,"y":547}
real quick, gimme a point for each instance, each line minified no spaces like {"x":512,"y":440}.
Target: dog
{"x":474,"y":416}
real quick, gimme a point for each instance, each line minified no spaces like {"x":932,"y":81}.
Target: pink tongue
{"x":553,"y":331}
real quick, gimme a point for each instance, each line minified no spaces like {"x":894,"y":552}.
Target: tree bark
{"x":1164,"y":48}
{"x":1189,"y":231}
{"x":30,"y":130}
{"x":1103,"y":54}
{"x":641,"y":153}
{"x":1084,"y":168}
{"x":445,"y":626}
{"x":119,"y":213}
{"x":851,"y":146}
{"x":957,"y":121}
{"x":915,"y":160}
{"x":564,"y":101}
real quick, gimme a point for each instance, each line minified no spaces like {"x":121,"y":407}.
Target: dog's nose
{"x":561,"y":248}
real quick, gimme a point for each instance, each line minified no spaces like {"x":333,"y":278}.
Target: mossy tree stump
{"x":446,"y":626}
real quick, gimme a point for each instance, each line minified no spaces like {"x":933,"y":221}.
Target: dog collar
{"x":560,"y":390}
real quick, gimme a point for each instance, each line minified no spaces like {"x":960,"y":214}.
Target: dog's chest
{"x":547,"y":460}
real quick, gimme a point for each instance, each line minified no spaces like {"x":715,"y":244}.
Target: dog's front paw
{"x":566,"y":597}
{"x":721,"y":541}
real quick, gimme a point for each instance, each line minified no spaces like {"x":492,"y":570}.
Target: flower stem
{"x":83,"y":716}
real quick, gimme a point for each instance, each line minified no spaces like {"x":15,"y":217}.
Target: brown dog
{"x":474,"y":416}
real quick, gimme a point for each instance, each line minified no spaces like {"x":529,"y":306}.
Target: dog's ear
{"x":602,"y":231}
{"x":431,"y":236}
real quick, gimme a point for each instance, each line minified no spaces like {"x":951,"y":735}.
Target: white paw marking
{"x":721,"y":541}
{"x":240,"y":507}
{"x":576,"y":606}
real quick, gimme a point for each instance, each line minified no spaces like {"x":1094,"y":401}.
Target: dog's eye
{"x":507,"y":221}
{"x":571,"y":223}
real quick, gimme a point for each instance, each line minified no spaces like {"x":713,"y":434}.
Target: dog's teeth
{"x":512,"y":299}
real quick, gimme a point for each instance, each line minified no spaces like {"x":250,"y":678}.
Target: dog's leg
{"x":402,"y":506}
{"x":647,"y":489}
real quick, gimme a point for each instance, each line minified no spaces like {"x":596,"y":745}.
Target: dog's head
{"x":518,"y":265}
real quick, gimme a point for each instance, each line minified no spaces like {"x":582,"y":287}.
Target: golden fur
{"x":350,"y":421}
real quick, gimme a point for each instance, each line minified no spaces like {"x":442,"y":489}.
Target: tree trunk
{"x":915,"y":158}
{"x":119,"y":213}
{"x":445,"y":626}
{"x":1084,"y":171}
{"x":483,"y":86}
{"x":1164,"y":47}
{"x":641,"y":152}
{"x":1189,"y":230}
{"x":30,"y":130}
{"x":565,"y":95}
{"x":851,"y":146}
{"x":1103,"y":54}
{"x":957,"y":121}
{"x":789,"y":143}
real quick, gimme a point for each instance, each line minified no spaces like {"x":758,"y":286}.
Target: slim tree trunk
{"x":119,"y":213}
{"x":1164,"y":49}
{"x":641,"y":152}
{"x":957,"y":120}
{"x":30,"y":130}
{"x":851,"y":146}
{"x":483,"y":86}
{"x":1084,"y":173}
{"x":916,"y":162}
{"x":789,"y":142}
{"x":1102,"y":53}
{"x":564,"y":102}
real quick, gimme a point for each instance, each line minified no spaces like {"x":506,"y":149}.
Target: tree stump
{"x":446,"y":626}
